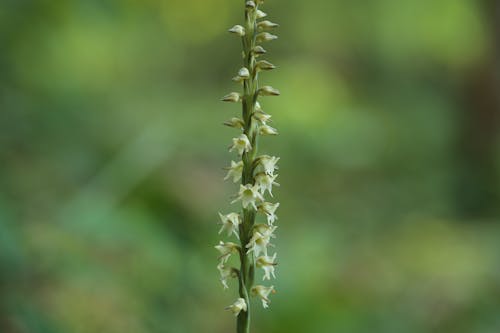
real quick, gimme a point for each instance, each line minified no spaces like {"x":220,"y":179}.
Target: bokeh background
{"x":112,"y":149}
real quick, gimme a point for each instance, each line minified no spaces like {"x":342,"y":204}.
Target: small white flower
{"x":237,"y":30}
{"x":241,"y":144}
{"x":269,"y":163}
{"x":248,"y":195}
{"x":263,"y":293}
{"x":225,"y":274}
{"x":269,"y":209}
{"x":233,"y":97}
{"x":250,"y":5}
{"x":226,"y":249}
{"x":238,"y":306}
{"x":230,"y":223}
{"x":267,"y":264}
{"x":265,"y":182}
{"x":261,"y":238}
{"x":235,"y":171}
{"x":267,"y":130}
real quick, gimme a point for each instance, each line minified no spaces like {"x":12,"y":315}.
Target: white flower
{"x":225,"y":273}
{"x":267,"y":264}
{"x":241,"y":144}
{"x":235,"y":171}
{"x":265,"y":182}
{"x":226,"y":249}
{"x":269,"y":163}
{"x":267,"y":130}
{"x":263,"y":293}
{"x":237,"y":30}
{"x":261,"y":238}
{"x":243,"y":74}
{"x":230,"y":223}
{"x":248,"y":195}
{"x":269,"y":209}
{"x":238,"y":306}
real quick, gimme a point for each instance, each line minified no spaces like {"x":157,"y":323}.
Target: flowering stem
{"x":256,"y":173}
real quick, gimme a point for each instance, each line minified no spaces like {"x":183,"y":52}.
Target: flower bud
{"x":267,"y":130}
{"x":258,"y":50}
{"x":262,"y":117}
{"x":267,"y":25}
{"x":234,"y":122}
{"x":233,"y":97}
{"x":268,"y":91}
{"x":266,"y":37}
{"x":265,"y":65}
{"x":238,"y":30}
{"x":250,"y":5}
{"x":260,"y":14}
{"x":244,"y":73}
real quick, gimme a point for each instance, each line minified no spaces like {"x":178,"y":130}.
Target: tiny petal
{"x":237,"y":30}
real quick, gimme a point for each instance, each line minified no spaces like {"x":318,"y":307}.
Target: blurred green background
{"x":112,"y":149}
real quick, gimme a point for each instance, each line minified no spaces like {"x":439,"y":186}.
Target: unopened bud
{"x":259,"y":50}
{"x":268,"y":91}
{"x":260,"y":14}
{"x":237,"y":30}
{"x":265,"y":65}
{"x":232,"y":97}
{"x":234,"y":122}
{"x":266,"y":25}
{"x":258,"y":107}
{"x":244,"y":73}
{"x":267,"y":130}
{"x":266,"y":37}
{"x":250,"y":5}
{"x":262,"y":117}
